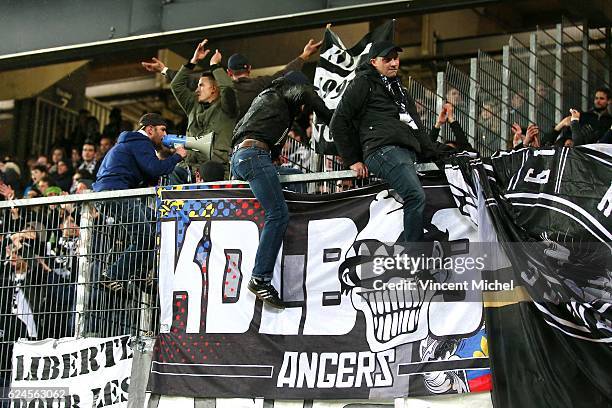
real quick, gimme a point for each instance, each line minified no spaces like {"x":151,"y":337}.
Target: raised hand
{"x":532,"y":139}
{"x":564,"y":123}
{"x":310,"y":48}
{"x":216,"y":58}
{"x":575,"y":114}
{"x":518,"y":134}
{"x":200,"y":52}
{"x":155,"y":66}
{"x":7,"y":191}
{"x":442,"y":116}
{"x":450,"y":112}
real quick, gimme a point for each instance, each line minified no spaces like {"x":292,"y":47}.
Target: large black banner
{"x":339,"y":338}
{"x":550,"y":210}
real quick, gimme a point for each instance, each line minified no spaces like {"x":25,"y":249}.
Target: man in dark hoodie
{"x":258,"y":139}
{"x":377,"y":123}
{"x":131,"y":163}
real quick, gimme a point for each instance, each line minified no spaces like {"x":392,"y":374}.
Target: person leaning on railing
{"x":129,"y":164}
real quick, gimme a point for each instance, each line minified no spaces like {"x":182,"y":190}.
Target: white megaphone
{"x":202,"y":144}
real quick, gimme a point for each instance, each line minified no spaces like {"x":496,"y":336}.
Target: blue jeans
{"x":137,"y":219}
{"x":396,"y":165}
{"x":255,"y":166}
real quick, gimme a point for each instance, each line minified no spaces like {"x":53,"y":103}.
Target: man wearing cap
{"x":239,"y":70}
{"x":132,"y":163}
{"x":258,"y":139}
{"x":247,"y":87}
{"x":377,"y":129}
{"x":211,"y":112}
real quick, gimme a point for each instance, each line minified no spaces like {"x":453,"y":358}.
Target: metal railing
{"x":54,"y":122}
{"x":536,"y":83}
{"x":86,"y":265}
{"x":101,"y":111}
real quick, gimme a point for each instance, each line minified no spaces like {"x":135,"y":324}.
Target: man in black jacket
{"x":258,"y":139}
{"x":591,"y":126}
{"x":377,"y":123}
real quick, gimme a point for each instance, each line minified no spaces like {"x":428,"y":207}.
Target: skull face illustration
{"x":396,"y":301}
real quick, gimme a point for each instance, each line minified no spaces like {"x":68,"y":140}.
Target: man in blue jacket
{"x":131,"y":163}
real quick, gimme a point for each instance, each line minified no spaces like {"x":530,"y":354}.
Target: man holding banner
{"x":377,"y":123}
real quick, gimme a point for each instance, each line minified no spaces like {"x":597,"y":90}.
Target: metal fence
{"x":53,"y":122}
{"x":537,"y":83}
{"x":101,"y":111}
{"x":455,"y":86}
{"x":54,"y":252}
{"x":86,"y":264}
{"x":427,"y":102}
{"x":492,"y":126}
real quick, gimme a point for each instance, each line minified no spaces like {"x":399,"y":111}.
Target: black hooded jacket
{"x":367,"y":118}
{"x":272,"y":112}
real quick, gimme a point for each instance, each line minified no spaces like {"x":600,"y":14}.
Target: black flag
{"x":549,"y":209}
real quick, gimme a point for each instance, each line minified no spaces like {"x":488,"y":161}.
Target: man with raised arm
{"x":246,"y":86}
{"x":211,"y":112}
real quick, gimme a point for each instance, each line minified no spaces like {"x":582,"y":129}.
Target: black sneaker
{"x":110,"y":283}
{"x":266,"y":292}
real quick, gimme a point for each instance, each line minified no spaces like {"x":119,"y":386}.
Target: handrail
{"x":147,"y":191}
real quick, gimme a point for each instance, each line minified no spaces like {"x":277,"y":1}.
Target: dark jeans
{"x":180,"y":175}
{"x":106,"y":315}
{"x":396,"y":165}
{"x":137,"y":219}
{"x":255,"y":166}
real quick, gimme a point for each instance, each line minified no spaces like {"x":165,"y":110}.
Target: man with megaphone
{"x":211,"y":114}
{"x":129,"y":164}
{"x":258,"y":139}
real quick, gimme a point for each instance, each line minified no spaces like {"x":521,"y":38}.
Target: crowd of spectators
{"x":71,"y":164}
{"x":39,"y":244}
{"x":575,"y":129}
